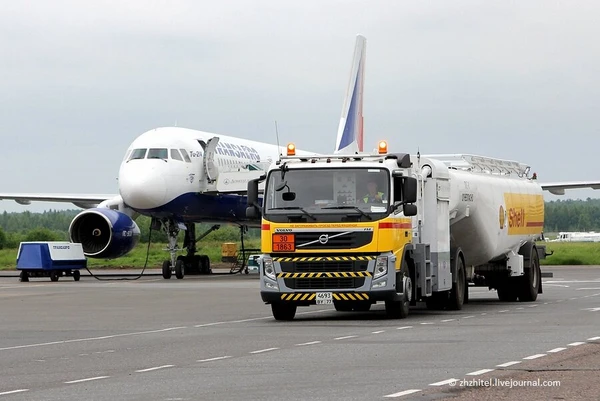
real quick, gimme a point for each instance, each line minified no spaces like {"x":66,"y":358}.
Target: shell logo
{"x":502,"y":217}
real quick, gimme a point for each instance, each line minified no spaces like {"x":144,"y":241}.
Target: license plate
{"x":324,"y":298}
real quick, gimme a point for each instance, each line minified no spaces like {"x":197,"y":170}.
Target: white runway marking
{"x":401,"y":393}
{"x":343,"y":338}
{"x":468,"y":317}
{"x":403,"y":327}
{"x":447,"y":320}
{"x":593,"y":339}
{"x":218,"y":358}
{"x":139,"y":333}
{"x":87,"y":380}
{"x":443,"y":382}
{"x":557,"y":349}
{"x":535,"y":356}
{"x":155,"y":368}
{"x":14,"y":391}
{"x":502,"y":311}
{"x":507,"y":364}
{"x":263,"y":350}
{"x":377,"y":332}
{"x":480,"y":372}
{"x":309,"y":343}
{"x":576,"y":343}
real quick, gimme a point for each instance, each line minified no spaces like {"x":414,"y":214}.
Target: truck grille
{"x":335,"y":240}
{"x":323,"y":283}
{"x":324,"y":266}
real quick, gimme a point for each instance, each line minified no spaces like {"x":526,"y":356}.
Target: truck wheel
{"x":530,"y":282}
{"x":283,"y":311}
{"x":76,"y":275}
{"x":399,"y":309}
{"x":457,"y":294}
{"x":166,"y":269}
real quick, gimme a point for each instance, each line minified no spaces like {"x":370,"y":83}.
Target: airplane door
{"x":208,"y":160}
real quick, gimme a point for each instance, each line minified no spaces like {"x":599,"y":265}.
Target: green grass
{"x":565,"y":253}
{"x":137,"y":257}
{"x":572,"y":253}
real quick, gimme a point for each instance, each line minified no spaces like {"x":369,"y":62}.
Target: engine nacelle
{"x":104,"y":233}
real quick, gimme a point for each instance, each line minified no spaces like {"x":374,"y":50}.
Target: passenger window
{"x":175,"y":155}
{"x":137,"y":154}
{"x":184,"y":153}
{"x":158,"y":154}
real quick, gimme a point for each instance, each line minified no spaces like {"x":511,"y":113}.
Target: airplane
{"x":179,"y":177}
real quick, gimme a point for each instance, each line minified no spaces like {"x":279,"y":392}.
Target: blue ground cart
{"x":50,"y":259}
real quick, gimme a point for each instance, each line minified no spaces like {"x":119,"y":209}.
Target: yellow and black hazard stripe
{"x":323,"y":258}
{"x":338,"y":296}
{"x":324,"y":275}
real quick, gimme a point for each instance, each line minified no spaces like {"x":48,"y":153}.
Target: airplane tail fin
{"x":350,"y":130}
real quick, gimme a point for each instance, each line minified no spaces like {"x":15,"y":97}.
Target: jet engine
{"x":104,"y":233}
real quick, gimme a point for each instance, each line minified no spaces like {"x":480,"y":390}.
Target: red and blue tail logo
{"x":350,"y":130}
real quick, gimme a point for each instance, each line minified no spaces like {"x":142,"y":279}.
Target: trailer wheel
{"x":399,"y":309}
{"x":530,"y":282}
{"x":76,"y":275}
{"x":179,"y":269}
{"x":24,"y":276}
{"x":457,"y":294}
{"x":54,"y":275}
{"x":283,"y":311}
{"x":166,"y":269}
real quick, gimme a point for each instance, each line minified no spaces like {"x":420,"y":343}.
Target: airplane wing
{"x":558,"y":188}
{"x":84,"y":201}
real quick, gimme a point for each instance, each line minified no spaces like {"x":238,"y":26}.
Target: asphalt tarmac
{"x":211,"y":337}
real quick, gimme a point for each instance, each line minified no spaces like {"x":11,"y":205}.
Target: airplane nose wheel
{"x":166,"y":269}
{"x":179,"y":269}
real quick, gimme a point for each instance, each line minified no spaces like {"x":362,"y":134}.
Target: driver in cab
{"x":373,"y":195}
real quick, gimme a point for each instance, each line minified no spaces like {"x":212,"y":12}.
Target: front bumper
{"x":309,"y":298}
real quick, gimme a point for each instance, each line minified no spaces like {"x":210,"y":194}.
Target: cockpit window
{"x":137,"y":154}
{"x":175,"y":155}
{"x":184,"y":153}
{"x":158,"y":154}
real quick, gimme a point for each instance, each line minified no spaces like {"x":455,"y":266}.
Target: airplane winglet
{"x":350,"y":131}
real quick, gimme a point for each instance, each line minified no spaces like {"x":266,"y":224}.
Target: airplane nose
{"x":141,"y":186}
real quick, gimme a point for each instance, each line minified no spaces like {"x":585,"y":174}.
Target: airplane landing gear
{"x":191,"y":263}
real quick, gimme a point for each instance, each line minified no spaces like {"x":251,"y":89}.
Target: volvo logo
{"x":323,"y":238}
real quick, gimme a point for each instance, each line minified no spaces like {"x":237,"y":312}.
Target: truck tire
{"x":529,"y":284}
{"x":283,"y":311}
{"x":399,"y":309}
{"x":457,"y":294}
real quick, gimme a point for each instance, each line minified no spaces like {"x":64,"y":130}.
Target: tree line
{"x":53,"y":225}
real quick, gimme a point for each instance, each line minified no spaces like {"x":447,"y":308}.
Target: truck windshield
{"x":334,"y":191}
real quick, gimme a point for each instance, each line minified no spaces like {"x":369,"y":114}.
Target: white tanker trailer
{"x":433,"y":225}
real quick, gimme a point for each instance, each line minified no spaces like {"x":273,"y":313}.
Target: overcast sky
{"x":509,"y":79}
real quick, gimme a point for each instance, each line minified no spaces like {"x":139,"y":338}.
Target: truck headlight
{"x":268,"y":268}
{"x":381,"y":266}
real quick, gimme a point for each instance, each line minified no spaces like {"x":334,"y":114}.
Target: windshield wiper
{"x":294,"y":208}
{"x":349,"y":207}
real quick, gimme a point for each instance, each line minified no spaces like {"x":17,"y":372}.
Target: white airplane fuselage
{"x":163,"y":174}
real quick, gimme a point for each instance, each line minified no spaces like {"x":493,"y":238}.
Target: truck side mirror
{"x":409,"y":210}
{"x":253,"y":208}
{"x":409,"y":190}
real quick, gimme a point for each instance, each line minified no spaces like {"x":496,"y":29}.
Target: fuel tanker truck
{"x":355,"y":230}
